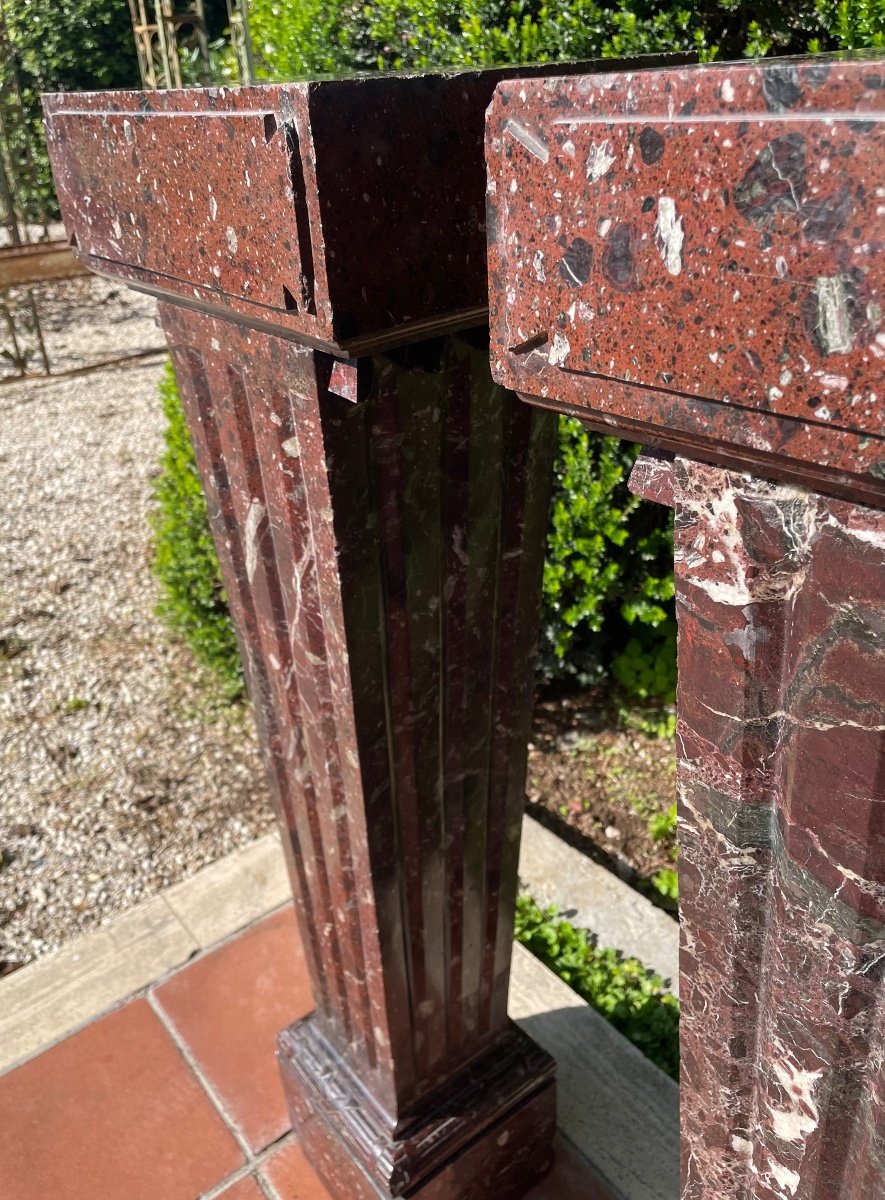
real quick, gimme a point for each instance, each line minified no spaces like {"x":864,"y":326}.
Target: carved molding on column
{"x":380,"y":523}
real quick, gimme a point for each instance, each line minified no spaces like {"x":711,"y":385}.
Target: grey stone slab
{"x":555,"y":873}
{"x":233,"y":892}
{"x":48,"y":999}
{"x":617,"y":1107}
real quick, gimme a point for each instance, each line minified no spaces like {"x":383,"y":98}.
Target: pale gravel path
{"x":118,"y":773}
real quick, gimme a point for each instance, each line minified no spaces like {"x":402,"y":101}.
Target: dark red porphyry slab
{"x":348,"y":213}
{"x":695,"y":258}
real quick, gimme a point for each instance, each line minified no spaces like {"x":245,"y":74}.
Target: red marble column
{"x":379,"y":506}
{"x":383,"y":560}
{"x":781,"y":744}
{"x":693,"y":259}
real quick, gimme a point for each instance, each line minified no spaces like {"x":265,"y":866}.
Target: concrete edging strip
{"x":555,"y":873}
{"x":48,"y":999}
{"x":613,"y":1104}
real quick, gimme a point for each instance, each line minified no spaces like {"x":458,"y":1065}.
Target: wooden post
{"x":694,"y":259}
{"x":379,"y":506}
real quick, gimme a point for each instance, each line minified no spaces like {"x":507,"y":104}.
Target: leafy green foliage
{"x":185,"y":562}
{"x":663,"y":824}
{"x":666,"y":882}
{"x":69,"y":45}
{"x":852,"y":24}
{"x":294,"y":37}
{"x":608,"y":577}
{"x":632,"y":998}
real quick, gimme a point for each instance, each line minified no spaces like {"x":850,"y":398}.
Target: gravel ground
{"x":119,"y":774}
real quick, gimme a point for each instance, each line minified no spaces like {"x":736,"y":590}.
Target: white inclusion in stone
{"x":291,"y":447}
{"x":833,"y":317}
{"x":670,"y":235}
{"x":785,"y":1178}
{"x":534,"y":144}
{"x":599,"y":160}
{"x":836,"y":383}
{"x":795,"y":1123}
{"x":253,"y":519}
{"x":232,"y":242}
{"x":538,"y":266}
{"x":213,"y":207}
{"x":559,"y":351}
{"x":727,"y":91}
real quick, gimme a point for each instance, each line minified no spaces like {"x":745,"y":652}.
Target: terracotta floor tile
{"x":246,"y":1189}
{"x":229,"y":1006}
{"x":113,"y":1113}
{"x":571,"y":1178}
{"x":291,"y":1175}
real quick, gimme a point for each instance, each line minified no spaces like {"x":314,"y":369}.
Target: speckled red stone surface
{"x":367,"y":550}
{"x":695,"y":257}
{"x":348,"y":213}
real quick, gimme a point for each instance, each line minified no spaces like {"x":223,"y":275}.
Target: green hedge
{"x":299,"y":37}
{"x":608,"y":577}
{"x":68,"y":45}
{"x":193,"y":600}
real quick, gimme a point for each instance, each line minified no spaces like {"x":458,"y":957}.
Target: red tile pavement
{"x":112,"y":1113}
{"x":115,"y":1112}
{"x":229,"y":1007}
{"x":291,"y":1176}
{"x":246,"y":1189}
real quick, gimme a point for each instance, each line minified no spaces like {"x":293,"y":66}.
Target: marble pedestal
{"x":379,"y":506}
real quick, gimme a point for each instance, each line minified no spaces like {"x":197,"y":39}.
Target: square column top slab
{"x":345,"y":213}
{"x":695,"y":258}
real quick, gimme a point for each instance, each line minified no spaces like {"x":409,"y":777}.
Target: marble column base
{"x":486,"y":1133}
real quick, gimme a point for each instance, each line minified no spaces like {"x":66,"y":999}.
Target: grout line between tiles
{"x":267,"y":1187}
{"x":248,"y":1168}
{"x":165,"y":974}
{"x":186,"y":1053}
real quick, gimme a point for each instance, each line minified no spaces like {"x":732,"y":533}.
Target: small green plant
{"x":608,"y":575}
{"x":75,"y":704}
{"x":663,"y":824}
{"x":666,"y":882}
{"x":633,"y":999}
{"x":193,"y":600}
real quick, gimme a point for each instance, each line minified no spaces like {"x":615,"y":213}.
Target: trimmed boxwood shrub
{"x":193,"y":600}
